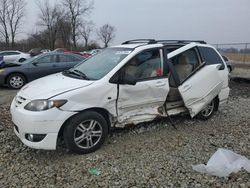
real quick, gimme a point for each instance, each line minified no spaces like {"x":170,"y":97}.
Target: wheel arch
{"x":16,"y":72}
{"x":22,"y":58}
{"x":105,"y":113}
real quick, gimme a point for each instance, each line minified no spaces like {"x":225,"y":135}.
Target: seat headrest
{"x":182,"y":60}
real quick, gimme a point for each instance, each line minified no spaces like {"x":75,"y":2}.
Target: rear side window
{"x":210,"y":56}
{"x":47,"y":59}
{"x":73,"y":58}
{"x":9,"y":53}
{"x":68,"y":58}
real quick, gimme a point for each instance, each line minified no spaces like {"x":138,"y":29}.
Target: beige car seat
{"x":183,"y":69}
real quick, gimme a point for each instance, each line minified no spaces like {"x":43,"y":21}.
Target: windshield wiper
{"x":81,"y":74}
{"x":77,"y":73}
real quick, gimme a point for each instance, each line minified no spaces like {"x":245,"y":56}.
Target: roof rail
{"x":181,"y":41}
{"x":148,"y":41}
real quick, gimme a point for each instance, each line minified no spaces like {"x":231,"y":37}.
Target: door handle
{"x":186,"y":88}
{"x":160,"y":84}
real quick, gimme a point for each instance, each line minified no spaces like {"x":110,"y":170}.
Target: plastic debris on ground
{"x":94,"y":171}
{"x":223,"y":162}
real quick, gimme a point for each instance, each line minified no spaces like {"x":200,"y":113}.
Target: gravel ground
{"x":150,"y":155}
{"x":6,"y":95}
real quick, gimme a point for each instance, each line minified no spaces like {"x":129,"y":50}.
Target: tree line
{"x":65,"y":24}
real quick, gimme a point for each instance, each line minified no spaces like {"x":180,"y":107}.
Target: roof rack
{"x":153,"y":41}
{"x":181,"y":41}
{"x":148,"y":41}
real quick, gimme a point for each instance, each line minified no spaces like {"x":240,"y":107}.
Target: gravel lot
{"x":6,"y":95}
{"x":150,"y":155}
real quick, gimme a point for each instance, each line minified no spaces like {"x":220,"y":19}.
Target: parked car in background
{"x":229,"y":63}
{"x":37,"y":51}
{"x":61,"y":50}
{"x":86,"y":54}
{"x":1,"y":61}
{"x":16,"y":75}
{"x":135,"y":82}
{"x":64,"y":50}
{"x":95,"y":51}
{"x":90,"y":53}
{"x":14,"y":56}
{"x":45,"y":50}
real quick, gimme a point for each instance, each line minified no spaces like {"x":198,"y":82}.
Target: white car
{"x":130,"y":83}
{"x":14,"y":56}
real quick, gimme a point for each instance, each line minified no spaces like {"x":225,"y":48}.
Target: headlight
{"x":41,"y":105}
{"x":2,"y":70}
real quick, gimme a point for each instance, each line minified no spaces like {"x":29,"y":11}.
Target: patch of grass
{"x":238,"y":57}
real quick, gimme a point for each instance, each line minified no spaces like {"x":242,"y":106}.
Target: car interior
{"x":184,"y":64}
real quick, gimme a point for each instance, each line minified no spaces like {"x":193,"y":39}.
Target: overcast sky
{"x":215,"y":21}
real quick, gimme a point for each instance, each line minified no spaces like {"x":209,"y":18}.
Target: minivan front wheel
{"x":208,"y":111}
{"x":85,"y":132}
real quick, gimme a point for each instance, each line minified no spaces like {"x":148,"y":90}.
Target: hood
{"x":4,"y":64}
{"x":50,"y":86}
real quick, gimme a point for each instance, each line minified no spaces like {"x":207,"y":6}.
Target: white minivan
{"x":130,"y":83}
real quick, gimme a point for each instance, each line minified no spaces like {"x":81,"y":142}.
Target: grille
{"x":19,"y":100}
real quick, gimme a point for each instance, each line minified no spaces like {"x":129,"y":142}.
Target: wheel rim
{"x":16,"y":82}
{"x":87,"y":134}
{"x":207,"y":111}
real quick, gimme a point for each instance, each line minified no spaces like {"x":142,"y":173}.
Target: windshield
{"x":30,"y":60}
{"x":102,"y":63}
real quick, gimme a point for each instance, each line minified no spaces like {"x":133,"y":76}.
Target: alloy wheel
{"x":87,"y":134}
{"x":16,"y":81}
{"x":208,"y":110}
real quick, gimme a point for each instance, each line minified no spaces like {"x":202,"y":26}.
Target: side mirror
{"x":221,"y":67}
{"x":34,"y":63}
{"x":120,"y":78}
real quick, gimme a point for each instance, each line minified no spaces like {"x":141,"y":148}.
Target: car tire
{"x":85,"y":132}
{"x":208,"y":111}
{"x":21,"y":60}
{"x":16,"y":81}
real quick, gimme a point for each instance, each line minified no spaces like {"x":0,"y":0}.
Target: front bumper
{"x":46,"y":122}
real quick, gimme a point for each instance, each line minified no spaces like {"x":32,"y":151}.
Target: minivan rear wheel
{"x":208,"y":111}
{"x":85,"y":132}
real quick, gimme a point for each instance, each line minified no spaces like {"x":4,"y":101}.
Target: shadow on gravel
{"x":241,"y":80}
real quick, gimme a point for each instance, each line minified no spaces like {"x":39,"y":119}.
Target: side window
{"x":68,"y":58}
{"x":63,"y":58}
{"x":146,"y":65}
{"x":184,"y":64}
{"x":12,"y":53}
{"x":210,"y":56}
{"x":73,"y":59}
{"x":3,"y":54}
{"x":47,"y":59}
{"x":9,"y":53}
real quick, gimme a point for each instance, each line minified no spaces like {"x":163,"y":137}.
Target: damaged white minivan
{"x":130,"y":83}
